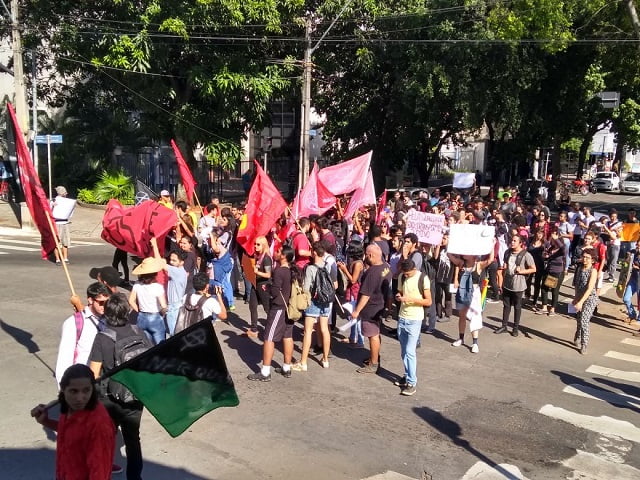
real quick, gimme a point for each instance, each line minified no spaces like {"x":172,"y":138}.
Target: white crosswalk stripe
{"x":613,"y":373}
{"x":631,"y":341}
{"x":32,"y":244}
{"x":602,"y":395}
{"x":623,"y":356}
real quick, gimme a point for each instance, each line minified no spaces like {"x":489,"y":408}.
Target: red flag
{"x":382,"y":202}
{"x":187,"y":178}
{"x":264,"y":207}
{"x":131,"y":228}
{"x":346,"y":176}
{"x":35,"y":197}
{"x":361,"y":197}
{"x":314,"y":198}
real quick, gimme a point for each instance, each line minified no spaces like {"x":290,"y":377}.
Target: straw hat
{"x":149,"y":265}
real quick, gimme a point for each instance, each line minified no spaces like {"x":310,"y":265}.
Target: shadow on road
{"x":452,"y":430}
{"x":24,"y":338}
{"x":39,"y":464}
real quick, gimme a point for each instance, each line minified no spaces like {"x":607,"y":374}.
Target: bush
{"x":86,"y":195}
{"x":114,"y":185}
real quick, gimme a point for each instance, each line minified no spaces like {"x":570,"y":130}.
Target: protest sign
{"x":462,"y":180}
{"x":630,"y":232}
{"x":427,"y":226}
{"x":63,"y":208}
{"x":469,"y":239}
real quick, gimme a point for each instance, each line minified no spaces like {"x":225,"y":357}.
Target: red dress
{"x":86,"y":441}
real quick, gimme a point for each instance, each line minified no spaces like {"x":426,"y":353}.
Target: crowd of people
{"x":367,"y":269}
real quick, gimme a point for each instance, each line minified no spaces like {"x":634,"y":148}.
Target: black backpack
{"x":322,"y":291}
{"x":519,"y":258}
{"x":125,"y":349}
{"x":189,"y":314}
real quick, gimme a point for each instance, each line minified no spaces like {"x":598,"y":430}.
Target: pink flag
{"x":346,"y":176}
{"x":361,"y":197}
{"x":187,"y":178}
{"x":314,"y":198}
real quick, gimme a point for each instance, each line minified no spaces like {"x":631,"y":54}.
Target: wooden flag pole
{"x":59,"y":248}
{"x":294,"y":218}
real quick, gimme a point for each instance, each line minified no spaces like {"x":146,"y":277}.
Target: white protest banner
{"x":469,"y":239}
{"x":63,"y":208}
{"x":427,"y":226}
{"x":462,"y":180}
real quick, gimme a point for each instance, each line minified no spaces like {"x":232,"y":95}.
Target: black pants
{"x":120,"y":258}
{"x":492,"y":272}
{"x":554,"y":291}
{"x":575,"y":241}
{"x":261,"y":296}
{"x":127,"y":417}
{"x":443,"y":297}
{"x":510,"y":299}
{"x":535,"y":280}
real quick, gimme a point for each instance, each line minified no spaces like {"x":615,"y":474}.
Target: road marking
{"x":389,"y":475}
{"x":623,"y":356}
{"x":594,"y":467}
{"x":20,"y":249}
{"x":484,"y":471}
{"x":20,"y":242}
{"x":630,"y":341}
{"x":613,"y":373}
{"x":603,"y":424}
{"x":602,"y":395}
{"x":83,"y":243}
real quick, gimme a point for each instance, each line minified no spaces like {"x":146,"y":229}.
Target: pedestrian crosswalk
{"x":10,"y":245}
{"x":613,"y":432}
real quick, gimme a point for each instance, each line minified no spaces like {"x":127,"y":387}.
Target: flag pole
{"x":59,"y":248}
{"x":294,"y":218}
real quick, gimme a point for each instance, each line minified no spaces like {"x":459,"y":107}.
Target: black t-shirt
{"x":265,"y":265}
{"x":384,"y":246}
{"x":375,"y":284}
{"x":103,"y":349}
{"x":281,"y":283}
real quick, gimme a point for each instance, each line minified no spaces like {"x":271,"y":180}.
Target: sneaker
{"x":500,"y":330}
{"x":444,"y":319}
{"x":115,"y":469}
{"x":430,"y":331}
{"x":551,"y":313}
{"x":401,"y":383}
{"x":475,"y":348}
{"x":299,"y":367}
{"x":66,"y":260}
{"x":493,"y":300}
{"x":367,"y":361}
{"x":514,"y":332}
{"x":58,"y":263}
{"x":540,"y":311}
{"x":232,"y":308}
{"x":259,"y":377}
{"x":457,"y":343}
{"x":370,"y":368}
{"x":284,"y":373}
{"x":583,"y":350}
{"x":408,"y":390}
{"x":325,"y":364}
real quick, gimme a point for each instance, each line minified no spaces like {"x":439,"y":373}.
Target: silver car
{"x":606,"y":181}
{"x":631,"y":183}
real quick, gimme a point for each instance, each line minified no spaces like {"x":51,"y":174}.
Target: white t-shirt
{"x":210,"y":308}
{"x":67,"y":348}
{"x":147,"y":296}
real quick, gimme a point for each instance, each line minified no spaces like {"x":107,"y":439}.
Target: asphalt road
{"x":526,"y":407}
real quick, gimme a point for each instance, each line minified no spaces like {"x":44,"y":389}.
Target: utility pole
{"x":305,"y":118}
{"x":20,"y":97}
{"x":34,"y":101}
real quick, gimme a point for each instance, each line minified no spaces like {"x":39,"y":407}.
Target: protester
{"x":586,"y":299}
{"x":213,"y":308}
{"x":554,"y":267}
{"x":120,"y":257}
{"x":536,"y":249}
{"x":149,"y":300}
{"x":62,"y":224}
{"x":612,"y":231}
{"x":278,"y":327}
{"x":260,"y":294}
{"x":414,"y":294}
{"x":353,"y":273}
{"x":633,"y":284}
{"x":176,"y":285}
{"x":165,"y":199}
{"x":85,"y":439}
{"x":125,"y":414}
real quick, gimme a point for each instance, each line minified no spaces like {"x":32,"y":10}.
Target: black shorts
{"x":278,"y":327}
{"x":370,"y":328}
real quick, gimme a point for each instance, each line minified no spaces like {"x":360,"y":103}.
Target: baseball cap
{"x":60,"y":190}
{"x":165,"y":193}
{"x":108,"y":275}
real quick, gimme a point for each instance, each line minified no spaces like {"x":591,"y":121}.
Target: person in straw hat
{"x":148,"y":298}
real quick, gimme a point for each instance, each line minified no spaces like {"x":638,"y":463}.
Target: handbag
{"x":550,"y":281}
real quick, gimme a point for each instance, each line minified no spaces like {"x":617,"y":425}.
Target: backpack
{"x":427,"y":267}
{"x":289,"y":240}
{"x":420,"y":283}
{"x":299,"y":301}
{"x":189,"y":314}
{"x":322,"y":291}
{"x":125,"y":349}
{"x":519,"y":258}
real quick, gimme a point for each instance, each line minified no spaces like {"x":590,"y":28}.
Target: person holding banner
{"x":62,"y":209}
{"x":467,"y":280}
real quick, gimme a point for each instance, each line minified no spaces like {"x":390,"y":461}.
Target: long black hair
{"x":78,"y":370}
{"x":289,"y":254}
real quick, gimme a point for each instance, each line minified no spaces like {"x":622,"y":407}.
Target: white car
{"x":631,"y":183}
{"x":606,"y":181}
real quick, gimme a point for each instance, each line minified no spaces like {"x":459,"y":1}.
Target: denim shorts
{"x":316,"y":311}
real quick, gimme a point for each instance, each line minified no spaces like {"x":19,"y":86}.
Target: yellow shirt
{"x":408,"y":286}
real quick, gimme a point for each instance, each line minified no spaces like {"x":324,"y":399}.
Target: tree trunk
{"x":620,"y":155}
{"x":556,"y":169}
{"x":582,"y":153}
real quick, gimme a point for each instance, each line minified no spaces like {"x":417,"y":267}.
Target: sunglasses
{"x":99,"y":302}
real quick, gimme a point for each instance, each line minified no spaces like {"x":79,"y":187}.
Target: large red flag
{"x":382,"y":202}
{"x":35,"y":197}
{"x":131,"y":228}
{"x":346,"y":176}
{"x":314,"y":198}
{"x":264,"y":207}
{"x":361,"y":198}
{"x":187,"y":178}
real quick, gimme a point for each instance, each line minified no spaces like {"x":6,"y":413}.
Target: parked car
{"x":631,"y":183}
{"x":606,"y":181}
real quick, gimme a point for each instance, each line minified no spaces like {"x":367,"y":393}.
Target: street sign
{"x":45,"y":139}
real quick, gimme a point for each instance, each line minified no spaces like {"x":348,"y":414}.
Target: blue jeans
{"x":355,"y":335}
{"x":153,"y":325}
{"x":172,"y":316}
{"x":408,"y":335}
{"x":627,"y":298}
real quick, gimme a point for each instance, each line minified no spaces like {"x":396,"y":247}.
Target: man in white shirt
{"x":78,"y":335}
{"x":62,"y":209}
{"x":213,"y":308}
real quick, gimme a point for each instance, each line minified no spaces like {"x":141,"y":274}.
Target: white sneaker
{"x":457,"y":343}
{"x":325,"y":364}
{"x":475,"y":348}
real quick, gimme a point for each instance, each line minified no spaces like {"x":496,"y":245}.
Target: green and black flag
{"x":181,"y":379}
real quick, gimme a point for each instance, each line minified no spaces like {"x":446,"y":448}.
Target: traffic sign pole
{"x":49,"y":164}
